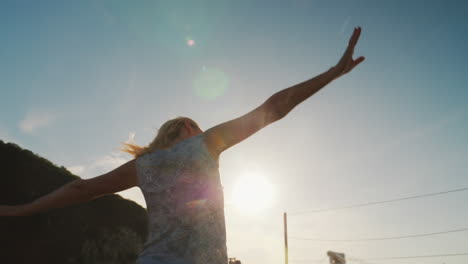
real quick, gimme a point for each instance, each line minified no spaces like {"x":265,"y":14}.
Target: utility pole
{"x":285,"y":220}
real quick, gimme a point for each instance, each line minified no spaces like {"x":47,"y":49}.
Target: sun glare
{"x":252,"y":193}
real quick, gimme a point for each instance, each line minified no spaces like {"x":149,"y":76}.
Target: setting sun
{"x":252,"y":192}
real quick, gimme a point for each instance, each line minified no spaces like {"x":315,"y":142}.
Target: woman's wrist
{"x":20,"y":210}
{"x":334,"y":72}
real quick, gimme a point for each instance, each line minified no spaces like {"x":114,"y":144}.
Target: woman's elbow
{"x":85,"y":188}
{"x":79,"y":184}
{"x":274,"y":110}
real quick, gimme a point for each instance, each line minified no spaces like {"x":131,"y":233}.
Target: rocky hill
{"x":109,"y":229}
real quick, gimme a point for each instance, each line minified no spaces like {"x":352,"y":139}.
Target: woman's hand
{"x":347,"y":63}
{"x":11,"y":210}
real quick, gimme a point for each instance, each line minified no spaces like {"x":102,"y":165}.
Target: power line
{"x":423,"y":256}
{"x":379,"y":238}
{"x":390,"y":258}
{"x":377,"y":202}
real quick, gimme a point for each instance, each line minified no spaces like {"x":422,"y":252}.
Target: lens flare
{"x":210,"y":83}
{"x":190,"y":42}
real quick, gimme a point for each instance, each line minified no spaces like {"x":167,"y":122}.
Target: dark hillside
{"x":109,"y":229}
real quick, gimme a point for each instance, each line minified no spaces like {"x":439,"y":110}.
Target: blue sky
{"x":79,"y":77}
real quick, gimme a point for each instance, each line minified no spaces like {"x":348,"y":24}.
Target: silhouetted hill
{"x":109,"y":229}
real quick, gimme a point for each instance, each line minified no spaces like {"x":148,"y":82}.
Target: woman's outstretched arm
{"x":225,"y":135}
{"x":78,"y":191}
{"x":284,"y":101}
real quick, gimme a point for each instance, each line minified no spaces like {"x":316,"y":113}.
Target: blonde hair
{"x":167,"y":134}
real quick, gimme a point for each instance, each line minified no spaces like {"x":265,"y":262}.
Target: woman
{"x":178,"y":175}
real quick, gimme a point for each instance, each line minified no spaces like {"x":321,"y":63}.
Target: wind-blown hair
{"x":165,"y":138}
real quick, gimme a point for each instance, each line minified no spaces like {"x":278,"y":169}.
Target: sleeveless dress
{"x":185,"y":204}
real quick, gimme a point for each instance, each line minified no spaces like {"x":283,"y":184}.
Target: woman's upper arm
{"x":122,"y":178}
{"x":225,"y":135}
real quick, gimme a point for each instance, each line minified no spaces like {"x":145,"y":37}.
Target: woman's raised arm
{"x":78,"y":191}
{"x":225,"y":135}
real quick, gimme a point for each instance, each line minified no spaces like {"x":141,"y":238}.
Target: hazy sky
{"x":80,"y":77}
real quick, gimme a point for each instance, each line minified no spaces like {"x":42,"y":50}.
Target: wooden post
{"x":285,"y":220}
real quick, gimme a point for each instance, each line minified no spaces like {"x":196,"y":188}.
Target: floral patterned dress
{"x":184,"y":198}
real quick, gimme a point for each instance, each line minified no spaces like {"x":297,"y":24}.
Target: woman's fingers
{"x":8,"y":210}
{"x":355,"y":37}
{"x":359,"y":60}
{"x":352,"y":42}
{"x":354,"y":63}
